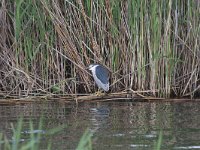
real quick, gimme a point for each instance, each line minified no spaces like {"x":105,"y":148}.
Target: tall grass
{"x":158,"y":143}
{"x":34,"y":139}
{"x":85,"y":142}
{"x":148,"y":45}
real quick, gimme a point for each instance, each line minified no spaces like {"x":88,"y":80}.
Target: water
{"x":115,"y":125}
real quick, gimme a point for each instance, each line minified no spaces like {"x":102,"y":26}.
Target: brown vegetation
{"x":45,"y":46}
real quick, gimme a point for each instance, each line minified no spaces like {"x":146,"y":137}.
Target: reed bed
{"x":45,"y":46}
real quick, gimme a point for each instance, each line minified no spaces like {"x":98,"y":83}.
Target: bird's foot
{"x":99,"y":93}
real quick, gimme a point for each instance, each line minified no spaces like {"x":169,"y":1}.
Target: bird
{"x":100,"y":75}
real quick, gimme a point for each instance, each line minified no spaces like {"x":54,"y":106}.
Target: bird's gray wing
{"x":102,"y":74}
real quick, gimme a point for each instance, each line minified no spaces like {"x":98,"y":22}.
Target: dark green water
{"x":115,"y":125}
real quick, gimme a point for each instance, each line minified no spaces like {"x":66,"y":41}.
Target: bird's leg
{"x":99,"y":92}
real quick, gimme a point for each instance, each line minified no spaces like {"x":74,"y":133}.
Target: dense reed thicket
{"x":149,"y":45}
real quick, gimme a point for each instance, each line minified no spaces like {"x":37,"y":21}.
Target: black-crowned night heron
{"x":100,"y":75}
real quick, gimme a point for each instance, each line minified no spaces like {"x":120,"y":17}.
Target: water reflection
{"x":118,"y":125}
{"x":99,"y":117}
